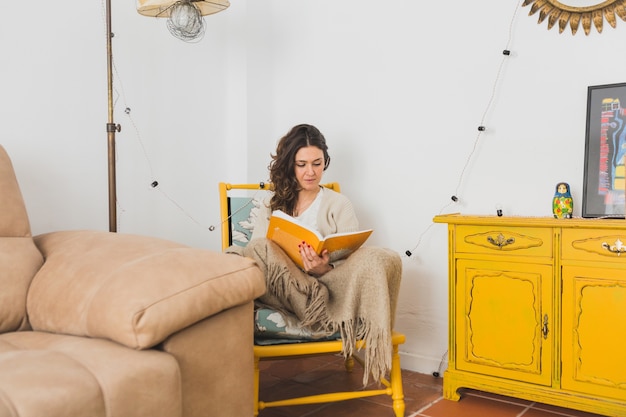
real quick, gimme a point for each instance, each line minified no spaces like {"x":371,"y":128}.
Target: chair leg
{"x":349,"y":363}
{"x":396,"y":383}
{"x":256,"y":386}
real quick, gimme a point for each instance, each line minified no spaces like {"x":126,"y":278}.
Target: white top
{"x":309,"y":216}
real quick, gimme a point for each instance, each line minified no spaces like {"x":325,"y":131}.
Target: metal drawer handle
{"x":544,"y":329}
{"x":500,"y":241}
{"x":617,"y":248}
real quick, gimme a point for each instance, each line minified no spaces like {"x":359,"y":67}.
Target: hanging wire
{"x":186,"y":23}
{"x":481,"y":128}
{"x":119,"y":91}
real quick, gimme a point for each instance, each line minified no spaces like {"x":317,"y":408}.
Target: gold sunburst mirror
{"x":577,"y":13}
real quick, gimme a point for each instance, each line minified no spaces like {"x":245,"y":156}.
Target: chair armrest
{"x":135,"y":290}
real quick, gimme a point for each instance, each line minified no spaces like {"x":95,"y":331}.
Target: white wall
{"x":186,"y":126}
{"x":398,"y":88}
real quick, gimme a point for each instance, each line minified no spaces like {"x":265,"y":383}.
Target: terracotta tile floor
{"x":423,"y":394}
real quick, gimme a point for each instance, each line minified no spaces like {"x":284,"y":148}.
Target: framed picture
{"x":605,"y":147}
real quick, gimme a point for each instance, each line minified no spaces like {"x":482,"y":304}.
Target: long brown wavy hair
{"x":282,"y":166}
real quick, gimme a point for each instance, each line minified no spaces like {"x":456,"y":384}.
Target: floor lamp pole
{"x":111,"y":126}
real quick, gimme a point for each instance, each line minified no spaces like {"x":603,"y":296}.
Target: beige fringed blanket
{"x":357,"y":298}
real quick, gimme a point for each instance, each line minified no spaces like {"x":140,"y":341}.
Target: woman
{"x":355,"y":296}
{"x":296,"y":171}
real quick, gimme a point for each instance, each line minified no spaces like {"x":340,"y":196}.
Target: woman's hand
{"x":314,"y":264}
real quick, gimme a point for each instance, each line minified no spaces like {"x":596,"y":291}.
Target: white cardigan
{"x":336,"y":215}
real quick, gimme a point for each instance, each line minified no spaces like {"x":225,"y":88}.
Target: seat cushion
{"x":273,"y":327}
{"x":44,"y":374}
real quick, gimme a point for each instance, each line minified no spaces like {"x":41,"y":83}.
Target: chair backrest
{"x":236,"y":211}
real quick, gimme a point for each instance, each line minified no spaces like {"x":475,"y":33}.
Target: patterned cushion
{"x":273,"y":327}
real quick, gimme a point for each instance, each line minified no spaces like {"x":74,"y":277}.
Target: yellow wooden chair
{"x":229,"y":211}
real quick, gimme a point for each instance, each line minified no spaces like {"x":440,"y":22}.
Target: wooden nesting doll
{"x":562,"y":203}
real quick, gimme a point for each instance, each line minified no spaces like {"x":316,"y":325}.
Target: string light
{"x":454,"y":198}
{"x":120,"y":93}
{"x":481,"y":129}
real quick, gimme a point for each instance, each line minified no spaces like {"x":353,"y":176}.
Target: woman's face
{"x":309,"y":167}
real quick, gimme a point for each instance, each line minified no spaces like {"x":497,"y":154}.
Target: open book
{"x":287,"y":232}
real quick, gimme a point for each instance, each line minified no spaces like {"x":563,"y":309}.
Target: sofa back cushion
{"x":19,"y":258}
{"x":19,"y":261}
{"x":135,"y":290}
{"x":13,"y":215}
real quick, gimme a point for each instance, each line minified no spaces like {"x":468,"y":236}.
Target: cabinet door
{"x":503,"y":320}
{"x":594,"y":331}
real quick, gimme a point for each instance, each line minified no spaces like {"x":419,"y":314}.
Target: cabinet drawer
{"x":594,"y":245}
{"x":520,"y":241}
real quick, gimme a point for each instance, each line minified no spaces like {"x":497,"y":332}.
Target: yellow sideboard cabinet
{"x":538,"y":310}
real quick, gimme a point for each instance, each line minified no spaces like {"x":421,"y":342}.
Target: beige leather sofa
{"x":96,"y":324}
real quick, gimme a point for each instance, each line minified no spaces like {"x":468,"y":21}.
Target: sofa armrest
{"x":135,"y":290}
{"x":216,"y":364}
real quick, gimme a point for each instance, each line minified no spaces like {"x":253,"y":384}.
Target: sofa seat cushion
{"x":44,"y":374}
{"x":135,"y":290}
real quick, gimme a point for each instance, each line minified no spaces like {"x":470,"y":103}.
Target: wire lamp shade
{"x":162,"y":8}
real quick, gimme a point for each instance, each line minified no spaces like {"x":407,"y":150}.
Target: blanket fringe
{"x":377,"y":349}
{"x":357,"y":299}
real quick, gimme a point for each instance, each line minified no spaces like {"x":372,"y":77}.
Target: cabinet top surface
{"x":577,"y":222}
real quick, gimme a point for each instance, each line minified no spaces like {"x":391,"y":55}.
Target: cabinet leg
{"x":450,"y":389}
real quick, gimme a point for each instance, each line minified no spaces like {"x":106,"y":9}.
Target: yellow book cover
{"x":288,"y":233}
